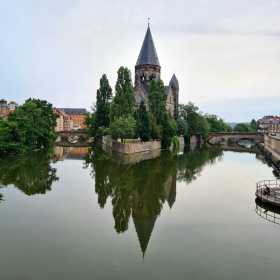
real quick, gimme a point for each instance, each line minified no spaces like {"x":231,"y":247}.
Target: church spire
{"x":148,"y":53}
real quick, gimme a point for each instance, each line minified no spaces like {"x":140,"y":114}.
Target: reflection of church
{"x":147,"y":68}
{"x":143,"y":218}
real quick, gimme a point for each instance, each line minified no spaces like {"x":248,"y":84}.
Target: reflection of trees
{"x":30,"y":173}
{"x":140,"y":189}
{"x":191,"y":163}
{"x":261,"y":157}
{"x":122,"y":181}
{"x":152,"y":181}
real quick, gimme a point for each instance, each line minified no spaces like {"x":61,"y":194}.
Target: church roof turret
{"x":148,"y":53}
{"x":174,"y":80}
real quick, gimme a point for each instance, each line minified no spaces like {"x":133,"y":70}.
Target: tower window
{"x":152,"y":77}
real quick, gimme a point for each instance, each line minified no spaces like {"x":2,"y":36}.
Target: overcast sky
{"x":225,"y":53}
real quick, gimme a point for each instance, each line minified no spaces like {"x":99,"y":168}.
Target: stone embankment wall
{"x":131,"y":148}
{"x":272,"y":142}
{"x":131,"y":158}
{"x":196,"y":139}
{"x":270,"y":155}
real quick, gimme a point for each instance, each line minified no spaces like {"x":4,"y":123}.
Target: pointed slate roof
{"x":148,"y":53}
{"x":174,"y":80}
{"x":144,"y":229}
{"x":139,"y":98}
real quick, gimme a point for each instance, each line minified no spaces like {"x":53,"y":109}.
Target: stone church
{"x":147,"y":68}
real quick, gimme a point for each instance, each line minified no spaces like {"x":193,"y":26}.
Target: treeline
{"x":30,"y":126}
{"x":116,"y":115}
{"x":199,"y":123}
{"x":246,"y":127}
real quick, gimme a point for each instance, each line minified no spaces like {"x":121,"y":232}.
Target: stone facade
{"x":63,"y":122}
{"x":130,"y":148}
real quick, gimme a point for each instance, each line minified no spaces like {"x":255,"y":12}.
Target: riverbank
{"x":138,"y":147}
{"x":270,"y":154}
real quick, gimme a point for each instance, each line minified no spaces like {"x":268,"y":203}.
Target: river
{"x":85,"y":213}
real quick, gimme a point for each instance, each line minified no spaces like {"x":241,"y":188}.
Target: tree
{"x":88,"y":121}
{"x":169,"y":129}
{"x":36,"y":122}
{"x":138,"y":124}
{"x":243,"y":127}
{"x":182,"y":127}
{"x":46,"y":111}
{"x":202,"y":126}
{"x":156,"y":131}
{"x":253,"y":125}
{"x":123,"y":128}
{"x":157,"y":99}
{"x":10,"y":138}
{"x":144,"y":122}
{"x":123,"y":101}
{"x":121,"y":111}
{"x":189,"y":113}
{"x":102,"y":106}
{"x":217,"y":124}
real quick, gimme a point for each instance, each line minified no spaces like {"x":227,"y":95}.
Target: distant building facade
{"x":269,"y":125}
{"x":147,"y":68}
{"x":78,"y":116}
{"x":6,"y":109}
{"x":3,"y":104}
{"x":64,"y":122}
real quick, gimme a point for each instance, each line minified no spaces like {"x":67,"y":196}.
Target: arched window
{"x":152,"y":77}
{"x":143,"y":77}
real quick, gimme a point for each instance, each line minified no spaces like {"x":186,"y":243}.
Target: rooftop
{"x":148,"y":54}
{"x":74,"y":110}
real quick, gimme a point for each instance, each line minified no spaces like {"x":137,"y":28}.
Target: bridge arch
{"x":246,"y":138}
{"x":216,"y":136}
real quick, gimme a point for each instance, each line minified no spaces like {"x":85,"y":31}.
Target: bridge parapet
{"x":235,"y":136}
{"x":77,"y":133}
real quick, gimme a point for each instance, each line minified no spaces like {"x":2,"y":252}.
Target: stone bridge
{"x":75,"y":134}
{"x":233,"y":137}
{"x":234,"y":148}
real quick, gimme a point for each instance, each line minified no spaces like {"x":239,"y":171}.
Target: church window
{"x":152,"y":77}
{"x":143,"y":77}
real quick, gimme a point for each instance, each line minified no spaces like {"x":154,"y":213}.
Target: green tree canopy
{"x":157,"y":99}
{"x":123,"y":101}
{"x":10,"y":138}
{"x":182,"y":127}
{"x":36,"y":122}
{"x":121,"y":111}
{"x":144,"y":129}
{"x":156,"y":131}
{"x":104,"y":96}
{"x":169,"y":129}
{"x":253,"y":125}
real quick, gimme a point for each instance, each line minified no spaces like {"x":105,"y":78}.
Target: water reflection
{"x":31,"y":173}
{"x":139,"y":189}
{"x":217,"y":141}
{"x":70,"y":153}
{"x":246,"y":143}
{"x":268,"y":212}
{"x":231,"y":146}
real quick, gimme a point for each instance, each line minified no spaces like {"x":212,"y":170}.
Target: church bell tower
{"x":147,"y":66}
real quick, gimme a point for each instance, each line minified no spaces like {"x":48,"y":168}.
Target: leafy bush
{"x":175,"y":142}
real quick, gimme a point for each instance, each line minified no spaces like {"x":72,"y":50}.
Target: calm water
{"x":84,"y":214}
